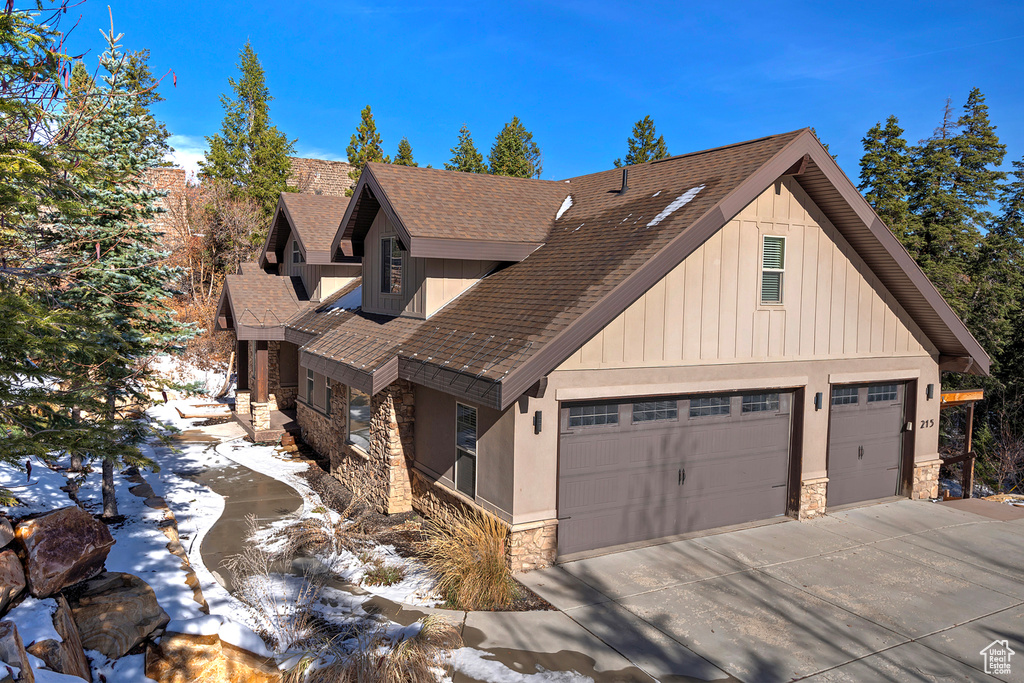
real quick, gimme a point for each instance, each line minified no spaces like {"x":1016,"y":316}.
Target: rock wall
{"x":812,"y":498}
{"x":926,"y":480}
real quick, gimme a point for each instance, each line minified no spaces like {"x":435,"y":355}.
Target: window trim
{"x":674,"y":409}
{"x":310,"y":386}
{"x":883,"y":398}
{"x":765,"y":398}
{"x":386,"y":273}
{"x":844,"y":388}
{"x":611,"y":417}
{"x":781,"y":271}
{"x":348,"y":420}
{"x":476,"y":450}
{"x":727,"y":405}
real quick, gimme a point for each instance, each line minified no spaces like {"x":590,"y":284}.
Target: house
{"x":294,"y":271}
{"x":710,"y":339}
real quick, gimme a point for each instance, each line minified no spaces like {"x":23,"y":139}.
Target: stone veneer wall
{"x":926,"y":480}
{"x":812,"y":498}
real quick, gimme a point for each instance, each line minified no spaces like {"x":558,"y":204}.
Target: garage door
{"x":865,"y":442}
{"x":638,"y":470}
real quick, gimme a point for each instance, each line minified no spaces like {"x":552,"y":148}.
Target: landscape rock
{"x":65,"y":656}
{"x":188,"y":658}
{"x":12,"y":652}
{"x":115,"y":612}
{"x":6,"y":532}
{"x":12,"y":578}
{"x":62,"y":548}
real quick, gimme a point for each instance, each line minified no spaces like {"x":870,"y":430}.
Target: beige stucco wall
{"x":703,"y":329}
{"x":448,"y":278}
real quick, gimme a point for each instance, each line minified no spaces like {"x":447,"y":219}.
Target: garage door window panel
{"x":465,"y":450}
{"x":883,"y":393}
{"x":655,"y":411}
{"x":760,"y":403}
{"x":600,"y":415}
{"x":713,"y":406}
{"x":845,"y":396}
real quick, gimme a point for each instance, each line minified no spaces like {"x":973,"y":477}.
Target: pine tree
{"x":643,"y":146}
{"x":977,"y":151}
{"x":250,"y":152}
{"x":111,"y":266}
{"x":514,"y":153}
{"x":404,"y":155}
{"x":139,"y":79}
{"x":465,"y":156}
{"x":364,"y":147}
{"x":884,"y":174}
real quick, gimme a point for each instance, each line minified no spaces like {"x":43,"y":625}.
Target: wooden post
{"x":242,"y":362}
{"x":262,"y":373}
{"x":967,"y":484}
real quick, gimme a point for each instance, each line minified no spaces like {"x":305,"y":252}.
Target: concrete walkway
{"x":891,"y":592}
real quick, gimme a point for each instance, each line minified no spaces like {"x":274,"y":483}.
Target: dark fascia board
{"x":604,"y":311}
{"x":472,"y":250}
{"x":473,"y":390}
{"x":339,"y":372}
{"x":346,"y":232}
{"x":297,"y":337}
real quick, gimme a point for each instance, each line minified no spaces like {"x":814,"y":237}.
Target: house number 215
{"x":925,"y":424}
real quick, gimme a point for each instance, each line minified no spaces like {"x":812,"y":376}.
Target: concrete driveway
{"x":898,"y":591}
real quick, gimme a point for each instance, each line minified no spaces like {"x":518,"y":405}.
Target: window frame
{"x":723,"y":402}
{"x":650,"y":410}
{"x":474,"y":456}
{"x":610,"y":416}
{"x":879,"y":397}
{"x":388,"y":248}
{"x":763,"y":403}
{"x":846,"y":392}
{"x":781,"y":271}
{"x":310,"y":386}
{"x":296,"y":252}
{"x":327,"y":395}
{"x":348,"y":422}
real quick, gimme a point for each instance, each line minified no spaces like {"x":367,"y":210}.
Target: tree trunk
{"x":76,"y":458}
{"x":109,"y":495}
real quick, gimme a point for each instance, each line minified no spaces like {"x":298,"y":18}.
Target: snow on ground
{"x":955,"y":488}
{"x":39,"y":493}
{"x":186,"y":374}
{"x":34,"y":619}
{"x":473,"y":663}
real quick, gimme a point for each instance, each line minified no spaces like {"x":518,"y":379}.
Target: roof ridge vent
{"x":625,"y":178}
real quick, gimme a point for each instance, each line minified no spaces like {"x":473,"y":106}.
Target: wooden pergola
{"x":963,"y":397}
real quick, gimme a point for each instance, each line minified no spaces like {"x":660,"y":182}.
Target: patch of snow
{"x":180,"y":371}
{"x":39,"y":493}
{"x":471,"y":663}
{"x":955,"y":488}
{"x":127,"y":669}
{"x":349,"y":302}
{"x":44,"y":675}
{"x":677,"y":203}
{"x":236,"y":634}
{"x":34,"y":619}
{"x":656,"y":193}
{"x":206,"y":625}
{"x":566,"y":205}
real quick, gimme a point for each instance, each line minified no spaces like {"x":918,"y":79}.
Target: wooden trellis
{"x":965,"y":397}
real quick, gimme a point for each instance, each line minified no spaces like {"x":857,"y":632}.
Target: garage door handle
{"x":860,"y":452}
{"x":682,"y":476}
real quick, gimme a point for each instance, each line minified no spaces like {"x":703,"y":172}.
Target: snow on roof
{"x":348,"y":302}
{"x":566,"y":205}
{"x":678,"y":203}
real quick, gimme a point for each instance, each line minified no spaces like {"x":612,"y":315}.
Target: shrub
{"x":467,"y":553}
{"x":380,"y":574}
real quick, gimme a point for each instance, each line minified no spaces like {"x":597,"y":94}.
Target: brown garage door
{"x":638,"y":470}
{"x":865,"y":442}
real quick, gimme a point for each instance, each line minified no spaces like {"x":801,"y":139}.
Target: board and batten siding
{"x":319,"y":280}
{"x":448,"y":278}
{"x":708,"y":310}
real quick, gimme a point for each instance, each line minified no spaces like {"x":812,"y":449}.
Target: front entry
{"x":865,"y":442}
{"x":634,"y":470}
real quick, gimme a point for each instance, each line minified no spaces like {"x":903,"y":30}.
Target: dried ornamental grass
{"x":467,"y":553}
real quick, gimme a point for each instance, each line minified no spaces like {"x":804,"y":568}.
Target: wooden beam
{"x":960,"y":397}
{"x":262,"y":373}
{"x":799,"y":167}
{"x":242,"y":360}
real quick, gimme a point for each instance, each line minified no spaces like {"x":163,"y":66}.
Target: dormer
{"x":425,"y":236}
{"x":299,"y":239}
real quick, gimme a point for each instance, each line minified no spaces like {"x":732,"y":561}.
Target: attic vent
{"x":625,"y":176}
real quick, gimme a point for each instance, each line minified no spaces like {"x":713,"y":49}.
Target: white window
{"x":773,"y":266}
{"x":760,"y":403}
{"x":883,"y":392}
{"x":844,"y":396}
{"x":359,"y":419}
{"x":594,"y":416}
{"x":390,"y":266}
{"x":465,"y":450}
{"x":651,"y":411}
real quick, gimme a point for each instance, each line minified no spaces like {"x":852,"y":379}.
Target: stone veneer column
{"x":533,"y":545}
{"x":260,"y":416}
{"x":926,"y":480}
{"x":273,"y":373}
{"x":242,"y":406}
{"x":812,"y":498}
{"x":388,"y":444}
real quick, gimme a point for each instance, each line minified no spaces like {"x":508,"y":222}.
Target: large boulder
{"x":203,"y":657}
{"x":12,"y":578}
{"x":65,"y":656}
{"x":12,"y":652}
{"x":6,"y":532}
{"x":115,"y":612}
{"x":62,"y":548}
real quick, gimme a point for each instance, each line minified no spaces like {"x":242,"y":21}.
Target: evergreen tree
{"x":884,"y":174}
{"x":47,"y":351}
{"x":110,"y":263}
{"x":465,"y":156}
{"x":139,"y":79}
{"x":250,"y":152}
{"x":514,"y":153}
{"x":81,"y":85}
{"x":364,"y":147}
{"x":404,"y":155}
{"x":643,"y":146}
{"x":977,"y":151}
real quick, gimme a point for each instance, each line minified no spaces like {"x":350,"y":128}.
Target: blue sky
{"x":580,"y":73}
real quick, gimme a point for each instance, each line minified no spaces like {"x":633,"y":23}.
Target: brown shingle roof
{"x":315,"y":219}
{"x":259,"y":303}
